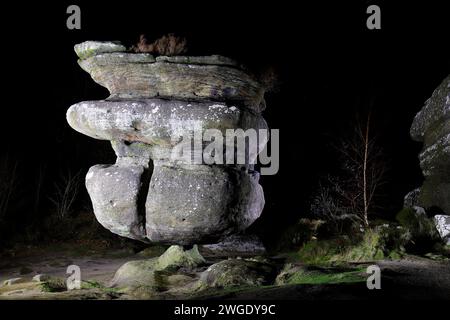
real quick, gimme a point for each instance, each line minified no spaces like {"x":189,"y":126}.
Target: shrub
{"x":385,"y":241}
{"x":168,"y":45}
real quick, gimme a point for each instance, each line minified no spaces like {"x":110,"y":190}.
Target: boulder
{"x":134,"y":274}
{"x":160,"y":189}
{"x":152,"y":273}
{"x":237,"y":272}
{"x":117,"y":197}
{"x":236,"y":245}
{"x":443,"y":227}
{"x":176,"y":257}
{"x":201,"y":204}
{"x":432,"y":127}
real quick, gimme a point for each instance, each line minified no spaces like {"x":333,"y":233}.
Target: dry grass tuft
{"x":167,"y":45}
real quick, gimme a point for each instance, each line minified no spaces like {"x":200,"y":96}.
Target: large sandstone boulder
{"x":432,"y":127}
{"x":155,"y":192}
{"x":193,"y":205}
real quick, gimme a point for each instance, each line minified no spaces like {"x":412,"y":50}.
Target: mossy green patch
{"x":301,"y":274}
{"x":317,"y":277}
{"x":53,"y":285}
{"x":375,"y":244}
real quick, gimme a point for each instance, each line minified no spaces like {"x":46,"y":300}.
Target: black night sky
{"x":330,"y":66}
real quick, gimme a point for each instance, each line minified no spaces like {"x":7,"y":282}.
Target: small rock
{"x":41,"y":277}
{"x":236,"y":245}
{"x":91,"y":48}
{"x":12,"y":281}
{"x":443,"y":226}
{"x":135,"y":274}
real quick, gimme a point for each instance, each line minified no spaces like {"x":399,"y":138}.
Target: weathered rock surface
{"x":115,"y":192}
{"x":91,"y":48}
{"x":432,"y":127}
{"x":443,"y":227}
{"x":155,"y":191}
{"x":149,"y":272}
{"x":160,"y":123}
{"x":194,"y":205}
{"x":128,"y":75}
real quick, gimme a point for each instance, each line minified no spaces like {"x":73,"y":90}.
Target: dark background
{"x":330,"y":66}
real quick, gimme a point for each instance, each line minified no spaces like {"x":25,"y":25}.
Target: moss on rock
{"x":176,"y":257}
{"x":384,"y":241}
{"x":153,"y":273}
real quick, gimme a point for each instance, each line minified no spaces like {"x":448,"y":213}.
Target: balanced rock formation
{"x":154,"y":193}
{"x":432,"y":127}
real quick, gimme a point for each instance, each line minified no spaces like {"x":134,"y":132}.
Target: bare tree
{"x":352,"y":194}
{"x":40,"y":178}
{"x":8,"y":184}
{"x":367,"y":168}
{"x":66,"y":191}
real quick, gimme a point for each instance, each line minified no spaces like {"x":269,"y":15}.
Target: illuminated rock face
{"x":151,"y":194}
{"x":432,"y":127}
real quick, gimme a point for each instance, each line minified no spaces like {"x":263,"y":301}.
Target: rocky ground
{"x":214,"y":278}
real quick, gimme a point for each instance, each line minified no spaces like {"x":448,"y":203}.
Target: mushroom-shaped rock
{"x":154,"y":192}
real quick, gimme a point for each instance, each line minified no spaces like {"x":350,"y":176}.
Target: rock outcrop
{"x":154,"y":192}
{"x":432,"y":127}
